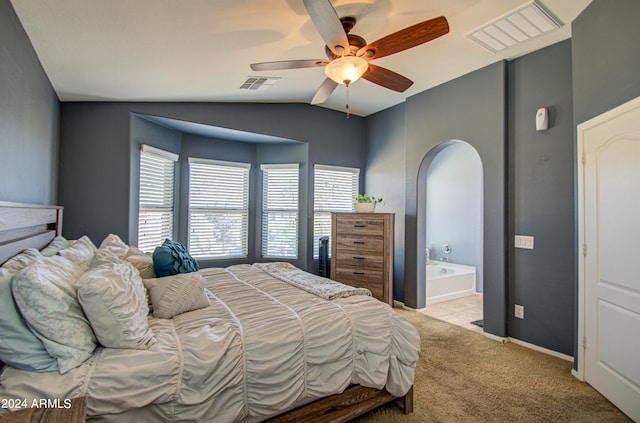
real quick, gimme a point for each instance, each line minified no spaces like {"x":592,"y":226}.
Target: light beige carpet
{"x":463,"y":376}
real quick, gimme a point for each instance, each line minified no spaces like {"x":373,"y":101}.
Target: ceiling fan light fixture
{"x":347,"y":69}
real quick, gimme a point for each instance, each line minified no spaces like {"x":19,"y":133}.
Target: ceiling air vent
{"x":258,"y":83}
{"x":515,"y":27}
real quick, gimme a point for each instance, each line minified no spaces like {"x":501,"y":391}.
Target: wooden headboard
{"x":25,"y":226}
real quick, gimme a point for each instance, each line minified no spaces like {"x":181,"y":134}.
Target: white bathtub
{"x":447,"y":281}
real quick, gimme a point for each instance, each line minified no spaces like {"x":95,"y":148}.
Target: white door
{"x":610,"y":275}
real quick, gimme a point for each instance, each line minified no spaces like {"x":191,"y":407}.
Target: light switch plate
{"x":524,"y":241}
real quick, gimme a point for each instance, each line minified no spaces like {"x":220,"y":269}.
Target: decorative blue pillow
{"x":172,"y":258}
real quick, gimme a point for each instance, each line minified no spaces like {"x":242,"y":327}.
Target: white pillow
{"x":113,"y":299}
{"x":141,"y":261}
{"x":45,"y":292}
{"x":80,"y":252}
{"x":111,"y":250}
{"x":54,"y":246}
{"x":22,"y":260}
{"x":114,"y":244}
{"x":19,"y":347}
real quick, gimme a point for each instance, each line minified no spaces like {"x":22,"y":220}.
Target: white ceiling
{"x":200,"y":50}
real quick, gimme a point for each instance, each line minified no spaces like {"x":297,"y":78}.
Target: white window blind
{"x":334,"y":189}
{"x":218,"y":208}
{"x":156,"y":194}
{"x":280,"y":191}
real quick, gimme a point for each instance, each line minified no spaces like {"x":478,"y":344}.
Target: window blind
{"x":156,"y":195}
{"x":218,"y":208}
{"x":280,"y":193}
{"x":334,"y":190}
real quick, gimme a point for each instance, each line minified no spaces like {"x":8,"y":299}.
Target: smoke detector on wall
{"x":515,"y":27}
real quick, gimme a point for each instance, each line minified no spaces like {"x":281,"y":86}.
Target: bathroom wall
{"x":454,"y":206}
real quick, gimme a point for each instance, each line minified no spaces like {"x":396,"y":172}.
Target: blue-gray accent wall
{"x":29,"y":116}
{"x":540,"y":193}
{"x":472,"y":109}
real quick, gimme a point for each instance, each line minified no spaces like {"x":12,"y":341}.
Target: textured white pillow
{"x":45,"y":292}
{"x":141,"y":261}
{"x":54,"y":246}
{"x":111,"y":250}
{"x":114,"y":244}
{"x":80,"y":252}
{"x":113,"y":298}
{"x":22,"y":260}
{"x":19,"y":347}
{"x":176,"y":294}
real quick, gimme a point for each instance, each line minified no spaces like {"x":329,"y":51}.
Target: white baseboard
{"x":541,"y":349}
{"x":496,"y":337}
{"x":502,"y":339}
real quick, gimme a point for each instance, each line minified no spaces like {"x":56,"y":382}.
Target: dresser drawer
{"x":370,"y":279}
{"x":353,"y":243}
{"x":358,"y":259}
{"x":360,"y":226}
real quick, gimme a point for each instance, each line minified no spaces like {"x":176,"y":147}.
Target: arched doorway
{"x":450,"y":213}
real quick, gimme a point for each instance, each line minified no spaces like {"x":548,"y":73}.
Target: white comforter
{"x":262,"y":347}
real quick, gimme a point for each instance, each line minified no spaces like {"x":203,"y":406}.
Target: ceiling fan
{"x":349,"y":54}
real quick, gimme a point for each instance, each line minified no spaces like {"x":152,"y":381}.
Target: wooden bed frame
{"x":34,"y":226}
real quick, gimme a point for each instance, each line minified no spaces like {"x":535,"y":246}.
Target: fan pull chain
{"x":347,"y":105}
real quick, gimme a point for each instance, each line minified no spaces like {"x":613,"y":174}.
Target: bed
{"x":264,"y":347}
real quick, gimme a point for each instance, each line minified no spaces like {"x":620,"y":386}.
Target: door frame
{"x":579,"y":371}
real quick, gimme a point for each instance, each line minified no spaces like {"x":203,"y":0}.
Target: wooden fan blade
{"x":288,"y":64}
{"x":386,"y":78}
{"x":405,"y":38}
{"x":326,"y":21}
{"x":325,"y":90}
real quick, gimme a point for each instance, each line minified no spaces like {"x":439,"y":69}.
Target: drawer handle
{"x":359,"y":226}
{"x":359,"y":258}
{"x":358,"y":242}
{"x":358,"y":273}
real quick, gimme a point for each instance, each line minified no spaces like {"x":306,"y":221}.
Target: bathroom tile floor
{"x":461,"y":311}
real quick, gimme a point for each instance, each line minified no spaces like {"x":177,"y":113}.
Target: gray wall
{"x":472,"y":109}
{"x":96,"y":153}
{"x":384,"y":178}
{"x":606,"y":57}
{"x":541,"y":191}
{"x":29,"y":114}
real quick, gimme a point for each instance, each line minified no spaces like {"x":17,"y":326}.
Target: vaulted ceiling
{"x":201,"y":50}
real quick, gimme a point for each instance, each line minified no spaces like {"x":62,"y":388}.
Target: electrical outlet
{"x":522,"y":241}
{"x":519,"y":311}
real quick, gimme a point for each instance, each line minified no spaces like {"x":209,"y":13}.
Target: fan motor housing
{"x":356,"y":42}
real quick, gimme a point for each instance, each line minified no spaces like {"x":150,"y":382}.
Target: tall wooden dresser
{"x":362,"y":252}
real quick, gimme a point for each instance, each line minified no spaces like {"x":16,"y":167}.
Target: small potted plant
{"x":365,"y":203}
